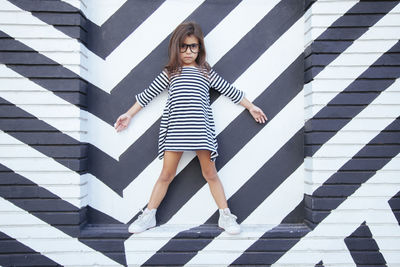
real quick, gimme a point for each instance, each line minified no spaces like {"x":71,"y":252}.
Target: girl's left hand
{"x":258,"y":114}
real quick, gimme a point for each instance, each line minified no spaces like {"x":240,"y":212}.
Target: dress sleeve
{"x":159,"y":84}
{"x":225,"y":88}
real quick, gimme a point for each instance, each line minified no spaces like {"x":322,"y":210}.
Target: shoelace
{"x":141,"y":216}
{"x":232,"y":218}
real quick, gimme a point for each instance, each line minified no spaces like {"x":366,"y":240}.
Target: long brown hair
{"x":178,"y":36}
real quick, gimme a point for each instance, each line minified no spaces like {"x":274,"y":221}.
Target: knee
{"x":166,"y":176}
{"x":210,"y":175}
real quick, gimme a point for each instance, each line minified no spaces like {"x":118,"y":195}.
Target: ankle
{"x":224,"y":210}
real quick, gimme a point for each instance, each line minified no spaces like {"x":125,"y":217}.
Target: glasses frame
{"x":185,"y":46}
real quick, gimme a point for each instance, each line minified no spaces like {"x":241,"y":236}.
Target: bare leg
{"x":171,"y":160}
{"x":210,"y":174}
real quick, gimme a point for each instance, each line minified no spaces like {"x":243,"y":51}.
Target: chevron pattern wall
{"x":317,"y":185}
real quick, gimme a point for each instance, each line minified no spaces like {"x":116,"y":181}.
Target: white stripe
{"x":242,"y":19}
{"x":370,"y":213}
{"x":277,"y":206}
{"x":97,"y":11}
{"x":102,"y":72}
{"x":47,"y":240}
{"x":30,"y":163}
{"x":331,"y":10}
{"x":79,"y":4}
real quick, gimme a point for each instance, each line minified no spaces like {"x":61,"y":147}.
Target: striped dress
{"x":187,"y":123}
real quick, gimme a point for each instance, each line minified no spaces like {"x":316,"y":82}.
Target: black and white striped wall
{"x":318,"y":185}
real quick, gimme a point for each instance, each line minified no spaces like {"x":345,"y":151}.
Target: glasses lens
{"x":193,"y":47}
{"x":183,"y":48}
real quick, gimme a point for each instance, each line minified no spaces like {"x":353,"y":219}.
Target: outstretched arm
{"x":159,"y":84}
{"x":123,"y":120}
{"x":225,"y":88}
{"x":255,"y":111}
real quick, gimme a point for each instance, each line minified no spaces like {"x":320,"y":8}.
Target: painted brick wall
{"x":43,"y":193}
{"x":320,"y":187}
{"x":352,"y":98}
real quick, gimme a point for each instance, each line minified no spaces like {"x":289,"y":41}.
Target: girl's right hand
{"x":122,"y":122}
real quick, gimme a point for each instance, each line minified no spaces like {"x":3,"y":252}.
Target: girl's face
{"x":189,"y":50}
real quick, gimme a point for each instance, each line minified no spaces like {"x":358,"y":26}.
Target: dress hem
{"x":213,"y":154}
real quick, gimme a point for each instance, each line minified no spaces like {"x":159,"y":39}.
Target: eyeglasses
{"x":193,"y":47}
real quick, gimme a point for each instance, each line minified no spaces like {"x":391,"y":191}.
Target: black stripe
{"x":358,"y":181}
{"x":363,"y":248}
{"x":40,"y":202}
{"x":103,"y":40}
{"x":51,"y":76}
{"x":319,"y":131}
{"x":268,"y":178}
{"x":308,"y":4}
{"x":40,"y":135}
{"x":62,"y":215}
{"x":394,"y":204}
{"x":15,"y":253}
{"x":108,"y":239}
{"x":100,"y":40}
{"x":264,"y":34}
{"x":272,"y":245}
{"x":341,"y":31}
{"x":295,"y":214}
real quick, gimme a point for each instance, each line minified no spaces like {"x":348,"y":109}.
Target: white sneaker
{"x":145,"y":221}
{"x":227,"y":221}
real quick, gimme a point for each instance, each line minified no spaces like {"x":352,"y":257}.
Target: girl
{"x":187,"y":122}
